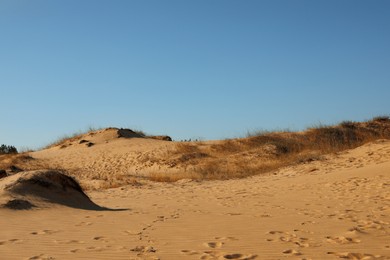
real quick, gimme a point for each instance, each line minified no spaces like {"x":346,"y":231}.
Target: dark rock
{"x":83,"y":141}
{"x":90,"y":144}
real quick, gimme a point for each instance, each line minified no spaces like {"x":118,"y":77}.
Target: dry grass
{"x":69,"y":138}
{"x":63,"y":139}
{"x":173,"y":177}
{"x":258,"y":153}
{"x":267,"y":151}
{"x":8,"y":160}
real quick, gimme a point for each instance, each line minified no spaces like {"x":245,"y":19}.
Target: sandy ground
{"x":337,"y":208}
{"x":109,"y":158}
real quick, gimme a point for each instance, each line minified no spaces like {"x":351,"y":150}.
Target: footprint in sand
{"x":84,"y":224}
{"x":214,"y":244}
{"x":226,"y":238}
{"x":239,"y":256}
{"x":189,"y":252}
{"x":349,"y":255}
{"x":302,"y":242}
{"x":12,"y":241}
{"x":95,"y":248}
{"x":132,"y":232}
{"x":44,"y":232}
{"x":273,"y":233}
{"x":69,"y":241}
{"x":143,"y":249}
{"x":15,"y":241}
{"x":291,"y":252}
{"x":208,"y":255}
{"x":41,"y":257}
{"x":342,"y":240}
{"x":234,"y":214}
{"x":100,"y":238}
{"x":291,"y":238}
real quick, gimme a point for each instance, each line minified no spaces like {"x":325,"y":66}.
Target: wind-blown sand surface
{"x":334,"y":208}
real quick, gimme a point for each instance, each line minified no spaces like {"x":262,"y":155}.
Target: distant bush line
{"x":8,"y":149}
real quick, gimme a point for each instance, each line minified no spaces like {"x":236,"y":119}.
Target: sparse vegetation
{"x":65,"y":138}
{"x":173,"y":177}
{"x":266,"y":151}
{"x":140,"y":132}
{"x":9,"y":160}
{"x":258,"y":153}
{"x":383,"y":118}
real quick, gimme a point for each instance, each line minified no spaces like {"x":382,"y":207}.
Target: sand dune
{"x":335,"y":208}
{"x":115,"y":154}
{"x":43,"y":188}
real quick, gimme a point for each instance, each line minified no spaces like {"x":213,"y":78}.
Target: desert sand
{"x":334,"y":208}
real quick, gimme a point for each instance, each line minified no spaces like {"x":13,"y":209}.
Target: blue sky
{"x":189,"y":69}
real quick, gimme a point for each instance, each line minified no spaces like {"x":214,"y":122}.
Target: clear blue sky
{"x":205,"y":68}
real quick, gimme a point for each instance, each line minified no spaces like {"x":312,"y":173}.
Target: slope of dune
{"x":334,"y":208}
{"x":44,"y":188}
{"x":106,"y":156}
{"x":113,"y":157}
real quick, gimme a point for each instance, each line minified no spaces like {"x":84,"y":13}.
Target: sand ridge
{"x":109,"y":158}
{"x":336,"y":208}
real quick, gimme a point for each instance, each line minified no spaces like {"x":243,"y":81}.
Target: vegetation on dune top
{"x":258,"y":153}
{"x":267,"y":151}
{"x":65,"y":140}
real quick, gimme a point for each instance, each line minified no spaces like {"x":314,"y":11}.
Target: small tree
{"x":8,"y":149}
